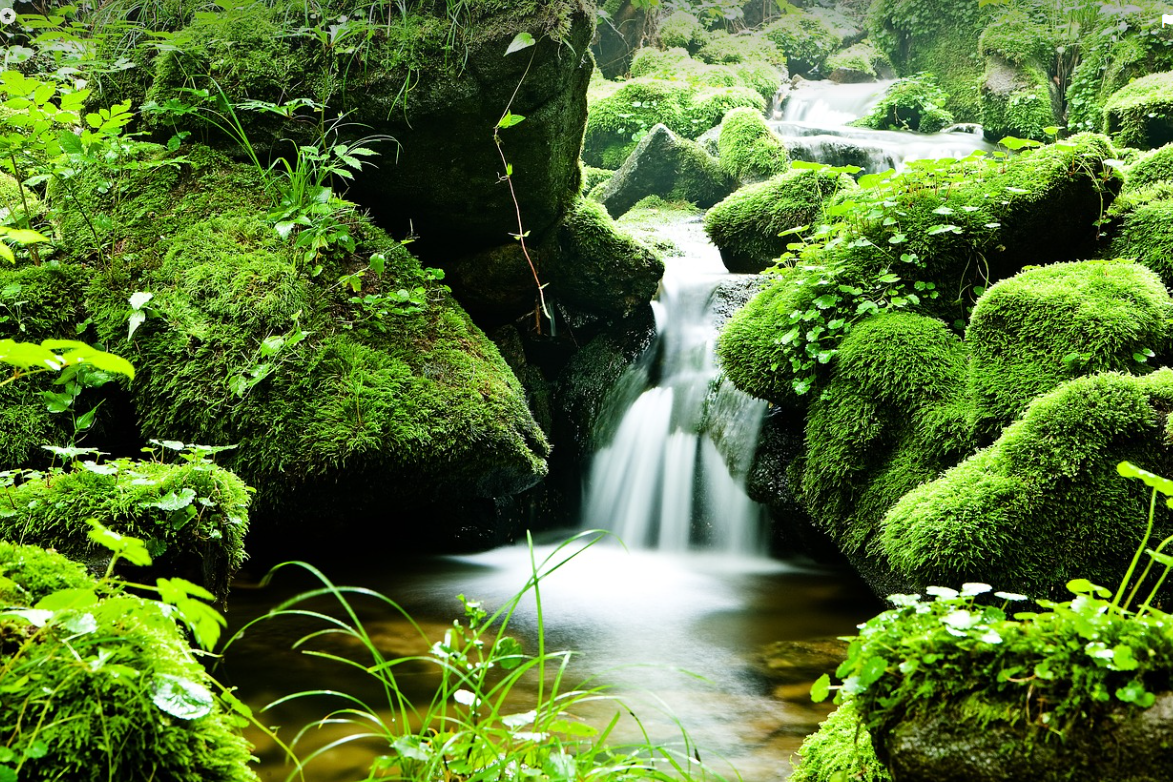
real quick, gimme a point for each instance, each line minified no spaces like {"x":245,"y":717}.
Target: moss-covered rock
{"x":193,"y":516}
{"x":841,"y":746}
{"x":1141,"y":114}
{"x":341,"y":403}
{"x":427,"y":80}
{"x":81,"y":693}
{"x":1149,"y":169}
{"x":736,"y":68}
{"x":747,"y":226}
{"x":1029,"y":333}
{"x":859,"y":63}
{"x":914,"y":103}
{"x":1146,"y":234}
{"x":621,"y":116}
{"x":1044,"y":504}
{"x":749,"y":149}
{"x":805,"y":39}
{"x":682,"y":29}
{"x":1017,"y":95}
{"x":668,"y":166}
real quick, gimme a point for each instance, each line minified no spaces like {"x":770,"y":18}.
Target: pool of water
{"x":680,"y":637}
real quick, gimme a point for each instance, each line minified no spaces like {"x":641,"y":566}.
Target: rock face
{"x":668,"y":166}
{"x":1126,"y":745}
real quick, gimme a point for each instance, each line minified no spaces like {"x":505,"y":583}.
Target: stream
{"x":693,"y":625}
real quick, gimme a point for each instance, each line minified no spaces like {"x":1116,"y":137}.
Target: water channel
{"x":694,"y":625}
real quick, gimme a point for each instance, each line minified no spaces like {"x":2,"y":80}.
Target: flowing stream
{"x":681,"y":624}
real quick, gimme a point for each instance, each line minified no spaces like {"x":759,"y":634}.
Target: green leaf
{"x":821,"y":689}
{"x":132,"y":549}
{"x":67,"y":599}
{"x":1081,"y":586}
{"x":181,"y":697}
{"x":520,"y":41}
{"x":173,"y":501}
{"x":1135,"y":693}
{"x":509,"y":119}
{"x":1152,"y":480}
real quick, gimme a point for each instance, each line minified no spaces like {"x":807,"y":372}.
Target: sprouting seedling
{"x":1159,"y":485}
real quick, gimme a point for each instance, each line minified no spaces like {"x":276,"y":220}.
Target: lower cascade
{"x":671,"y":475}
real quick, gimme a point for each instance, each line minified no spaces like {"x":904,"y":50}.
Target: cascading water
{"x":814,"y":124}
{"x":672,"y":474}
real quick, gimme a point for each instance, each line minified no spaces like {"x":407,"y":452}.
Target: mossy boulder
{"x":749,"y":149}
{"x":859,"y":63}
{"x":1146,"y":234}
{"x":1029,"y":333}
{"x":805,"y":39}
{"x":747,"y":226}
{"x":1043,"y":504}
{"x":914,"y":103}
{"x":621,"y":116}
{"x":1141,"y":114}
{"x":107,"y":664}
{"x":1018,"y":97}
{"x":434,"y":84}
{"x":1149,"y":169}
{"x":192,"y":516}
{"x":341,"y":404}
{"x":682,"y":29}
{"x":666,"y":165}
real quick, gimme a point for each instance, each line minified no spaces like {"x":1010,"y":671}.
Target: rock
{"x":1141,"y":113}
{"x":859,"y":63}
{"x":1124,"y":745}
{"x":749,"y":149}
{"x":623,"y":26}
{"x":1146,"y":234}
{"x":666,"y":165}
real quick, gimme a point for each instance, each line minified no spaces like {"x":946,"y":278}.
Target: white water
{"x":814,"y":120}
{"x":662,"y":481}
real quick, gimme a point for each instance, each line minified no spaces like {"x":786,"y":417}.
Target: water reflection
{"x":679,"y":636}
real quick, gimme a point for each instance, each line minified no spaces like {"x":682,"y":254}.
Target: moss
{"x":100,"y":720}
{"x":19,"y":206}
{"x":914,"y":103}
{"x":860,"y":62}
{"x":1044,"y":503}
{"x":1154,"y":167}
{"x":723,"y":48}
{"x":1031,"y":332}
{"x":749,"y":149}
{"x":593,"y":177}
{"x":1146,"y":234}
{"x":806,"y":41}
{"x":602,"y":269}
{"x":410,"y":406}
{"x":1016,"y":90}
{"x":758,"y":75}
{"x":747,"y":226}
{"x":682,"y":29}
{"x":1017,"y":38}
{"x":842,"y":745}
{"x":203,"y":539}
{"x":1141,"y":114}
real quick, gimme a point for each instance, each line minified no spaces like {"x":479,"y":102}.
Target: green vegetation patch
{"x":193,"y":517}
{"x":1146,"y":234}
{"x":748,"y":226}
{"x":1149,"y":169}
{"x":682,"y":29}
{"x":1031,"y":332}
{"x":806,"y":40}
{"x":861,"y":62}
{"x":913,"y":103}
{"x":105,"y":688}
{"x":748,"y":149}
{"x":1141,"y":114}
{"x":841,"y":746}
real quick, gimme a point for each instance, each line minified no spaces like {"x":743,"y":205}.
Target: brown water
{"x":680,"y":636}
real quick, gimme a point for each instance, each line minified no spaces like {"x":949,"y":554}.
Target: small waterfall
{"x":814,"y":124}
{"x":672,"y":474}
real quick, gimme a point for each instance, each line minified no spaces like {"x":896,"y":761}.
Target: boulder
{"x":859,"y":63}
{"x":1145,"y":233}
{"x":749,"y":149}
{"x":666,"y":165}
{"x":1141,"y":113}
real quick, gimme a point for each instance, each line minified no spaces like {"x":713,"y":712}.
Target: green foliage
{"x":1042,"y":504}
{"x":1029,"y":333}
{"x":1146,"y":234}
{"x":1149,"y":169}
{"x":859,"y":62}
{"x":754,"y":225}
{"x":913,"y":103}
{"x":684,"y":30}
{"x":1018,"y":39}
{"x":193,"y":516}
{"x":840,"y":750}
{"x":804,"y":39}
{"x":748,"y":149}
{"x":1141,"y":114}
{"x":97,"y":682}
{"x":473,"y":726}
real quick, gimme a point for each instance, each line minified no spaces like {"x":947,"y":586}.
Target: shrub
{"x":804,"y":39}
{"x":914,"y":103}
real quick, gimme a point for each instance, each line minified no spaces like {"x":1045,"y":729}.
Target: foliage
{"x":840,"y":751}
{"x":913,"y":103}
{"x":1141,"y":113}
{"x":676,"y":65}
{"x":469,"y":729}
{"x":684,"y":30}
{"x":859,"y":62}
{"x":804,"y":39}
{"x":1149,"y":169}
{"x":99,"y":682}
{"x":1146,"y":234}
{"x":748,"y":149}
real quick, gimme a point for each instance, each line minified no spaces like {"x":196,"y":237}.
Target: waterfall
{"x":814,"y":124}
{"x":672,"y":475}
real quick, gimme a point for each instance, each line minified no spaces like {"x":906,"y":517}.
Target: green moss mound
{"x":193,"y":517}
{"x":1016,"y":94}
{"x":748,"y":149}
{"x":806,"y":41}
{"x":1146,"y":234}
{"x":682,"y":29}
{"x":372,"y":398}
{"x":79,"y":693}
{"x":1029,"y":333}
{"x":1044,"y":503}
{"x":737,"y":68}
{"x":620,"y":117}
{"x":1141,"y":114}
{"x":858,"y":63}
{"x":1156,"y":166}
{"x":842,"y":745}
{"x":748,"y":225}
{"x":914,"y":103}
